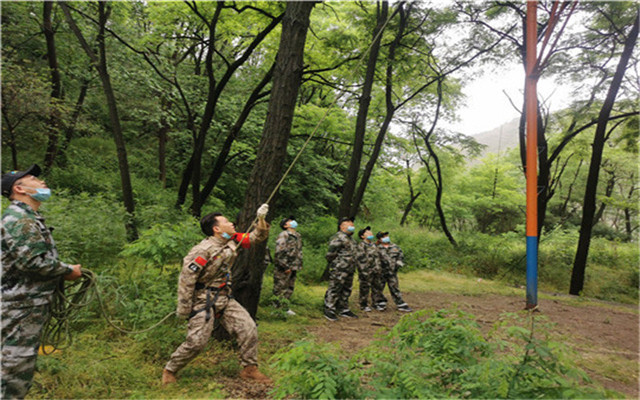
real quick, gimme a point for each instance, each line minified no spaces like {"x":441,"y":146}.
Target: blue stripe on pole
{"x":532,"y":271}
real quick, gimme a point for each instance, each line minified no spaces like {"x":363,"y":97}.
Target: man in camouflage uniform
{"x":342,"y":265}
{"x":369,"y":269}
{"x":31,"y":272}
{"x":204,"y":295}
{"x":288,"y":259}
{"x":392,"y":260}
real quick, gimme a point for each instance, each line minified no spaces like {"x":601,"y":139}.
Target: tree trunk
{"x":589,"y":208}
{"x":408,"y":208}
{"x":54,"y":123}
{"x":162,"y":152}
{"x":544,"y":173}
{"x":193,"y":171}
{"x":412,"y":196}
{"x":563,"y":209}
{"x":12,"y":139}
{"x":207,"y":116}
{"x":249,"y":268}
{"x":390,"y":110}
{"x":70,"y":126}
{"x":437,"y":180}
{"x":100,"y":63}
{"x":611,"y":183}
{"x":221,"y":160}
{"x":351,"y":178}
{"x":627,"y":211}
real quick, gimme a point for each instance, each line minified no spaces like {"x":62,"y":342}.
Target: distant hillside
{"x":499,"y":139}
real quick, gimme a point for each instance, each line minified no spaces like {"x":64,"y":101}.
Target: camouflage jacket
{"x":208,"y":264}
{"x":288,"y":253}
{"x":368,"y":256}
{"x":393,"y":257}
{"x":342,"y":248}
{"x":30,"y":266}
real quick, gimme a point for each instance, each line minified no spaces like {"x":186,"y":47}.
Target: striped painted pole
{"x":532,"y":155}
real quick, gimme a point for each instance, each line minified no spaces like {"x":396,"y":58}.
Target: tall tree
{"x":192,"y":172}
{"x":99,"y":62}
{"x":54,"y":125}
{"x":351,"y":179}
{"x":437,"y":178}
{"x":249,"y":268}
{"x":589,"y":208}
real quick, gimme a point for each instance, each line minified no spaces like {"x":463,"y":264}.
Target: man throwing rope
{"x":31,"y":272}
{"x":204,"y":295}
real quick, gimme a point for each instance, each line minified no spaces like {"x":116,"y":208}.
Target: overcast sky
{"x":488,"y":107}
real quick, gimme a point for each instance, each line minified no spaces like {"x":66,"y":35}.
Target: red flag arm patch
{"x":200,"y":261}
{"x":243,"y":239}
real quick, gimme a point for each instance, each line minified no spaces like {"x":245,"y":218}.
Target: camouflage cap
{"x":11,"y":177}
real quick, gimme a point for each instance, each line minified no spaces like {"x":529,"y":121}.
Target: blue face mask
{"x":370,"y":238}
{"x":293,"y":224}
{"x":226,"y":235}
{"x":41,"y":194}
{"x":386,"y":240}
{"x":351,"y":229}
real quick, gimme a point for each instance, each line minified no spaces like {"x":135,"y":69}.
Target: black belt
{"x":211,"y":303}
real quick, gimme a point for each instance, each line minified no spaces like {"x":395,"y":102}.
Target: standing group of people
{"x":377,"y":261}
{"x":31,"y":270}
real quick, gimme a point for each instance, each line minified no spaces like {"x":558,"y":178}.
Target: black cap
{"x":285,"y":220}
{"x":380,"y":235}
{"x":362,"y":231}
{"x":11,"y":177}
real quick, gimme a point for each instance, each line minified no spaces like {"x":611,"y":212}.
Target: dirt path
{"x":596,"y":331}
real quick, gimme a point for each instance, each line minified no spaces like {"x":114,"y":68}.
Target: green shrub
{"x":89,"y":228}
{"x":441,"y":354}
{"x":314,"y":371}
{"x":165,"y":243}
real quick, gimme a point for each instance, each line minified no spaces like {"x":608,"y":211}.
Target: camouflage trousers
{"x":390,"y":278}
{"x":235,"y":319}
{"x":283,"y":282}
{"x":378,"y":283}
{"x":21,"y":331}
{"x":337,"y":296}
{"x":365,"y":275}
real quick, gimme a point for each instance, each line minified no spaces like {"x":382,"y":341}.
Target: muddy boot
{"x":251,"y":373}
{"x":168,"y":377}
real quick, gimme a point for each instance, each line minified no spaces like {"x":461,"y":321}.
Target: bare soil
{"x":592,"y":330}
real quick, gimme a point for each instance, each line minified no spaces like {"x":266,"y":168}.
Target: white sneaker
{"x":289,"y":312}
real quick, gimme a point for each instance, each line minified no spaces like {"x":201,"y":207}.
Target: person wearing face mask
{"x":369,"y":270}
{"x":342,"y":265}
{"x":287,"y":259}
{"x":204,"y":295}
{"x":392,"y":259}
{"x":31,"y":271}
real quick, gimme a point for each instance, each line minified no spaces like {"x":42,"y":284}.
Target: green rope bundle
{"x":68,"y":299}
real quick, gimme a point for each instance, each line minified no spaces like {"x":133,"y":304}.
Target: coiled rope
{"x":68,"y":299}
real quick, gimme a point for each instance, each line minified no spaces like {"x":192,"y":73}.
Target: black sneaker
{"x":330,"y":315}
{"x":348,"y":314}
{"x":404,"y":307}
